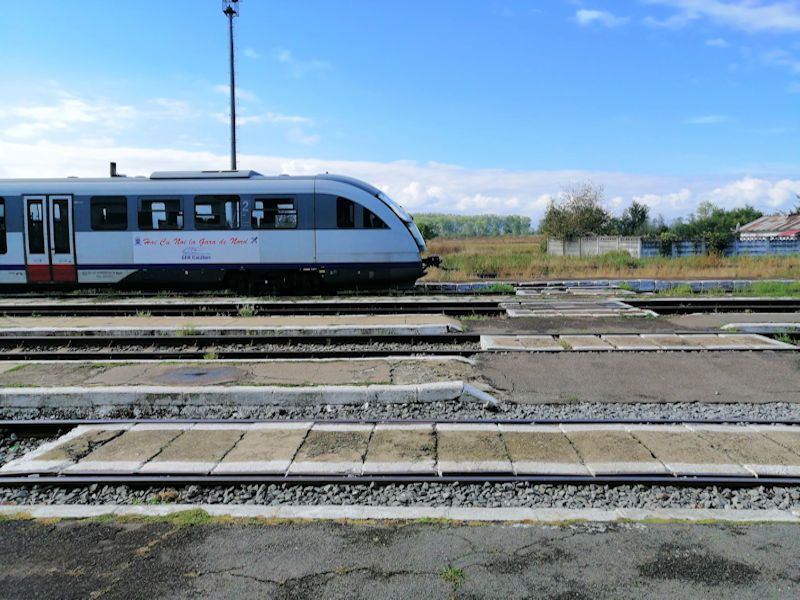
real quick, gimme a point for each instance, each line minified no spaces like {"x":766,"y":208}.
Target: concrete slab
{"x":53,"y":456}
{"x":611,"y":451}
{"x":290,"y":372}
{"x":754,"y":450}
{"x":126,"y":453}
{"x":332,"y":449}
{"x":786,"y":436}
{"x":585,"y":343}
{"x":536,"y":343}
{"x":401,"y":449}
{"x":753,"y":341}
{"x":686,"y":453}
{"x":669,"y":341}
{"x":541,"y":450}
{"x":630,"y":342}
{"x":264,"y":448}
{"x":408,"y":324}
{"x":722,"y":342}
{"x":465,"y":448}
{"x":194,"y":451}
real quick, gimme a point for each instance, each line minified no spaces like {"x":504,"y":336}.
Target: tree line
{"x":433,"y":225}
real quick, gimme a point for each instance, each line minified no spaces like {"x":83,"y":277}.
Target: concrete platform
{"x":406,"y":324}
{"x":378,"y":371}
{"x":344,"y":449}
{"x":637,"y":342}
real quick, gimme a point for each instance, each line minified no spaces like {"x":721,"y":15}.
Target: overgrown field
{"x":525,"y":258}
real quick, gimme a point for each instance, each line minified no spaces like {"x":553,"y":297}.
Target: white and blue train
{"x":234,"y":228}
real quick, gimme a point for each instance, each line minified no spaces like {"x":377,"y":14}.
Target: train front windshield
{"x":406,"y":218}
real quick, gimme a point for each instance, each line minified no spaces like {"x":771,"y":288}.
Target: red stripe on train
{"x":64,"y":273}
{"x":38,"y":273}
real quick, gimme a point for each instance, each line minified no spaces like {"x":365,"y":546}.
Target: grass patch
{"x":500,"y":288}
{"x":188,"y":330}
{"x":144,"y":313}
{"x":210,"y":355}
{"x":246,"y":310}
{"x":785,"y":338}
{"x":524,"y":258}
{"x":453,"y":575}
{"x":16,"y":369}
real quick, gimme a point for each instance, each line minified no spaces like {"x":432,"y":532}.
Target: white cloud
{"x":67,"y":114}
{"x":760,"y":192}
{"x":267,"y":117}
{"x":241,"y":94}
{"x":298,"y":136}
{"x":251,"y":53}
{"x":708,"y":120}
{"x":746,"y":15}
{"x":781,"y":58}
{"x":298,"y":67}
{"x":601,"y":17}
{"x":717,"y":43}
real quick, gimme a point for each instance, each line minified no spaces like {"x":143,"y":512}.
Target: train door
{"x":49,"y":239}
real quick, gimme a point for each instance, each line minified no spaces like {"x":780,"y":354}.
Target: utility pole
{"x":230,"y":8}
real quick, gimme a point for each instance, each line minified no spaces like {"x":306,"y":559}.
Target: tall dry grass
{"x":525,"y":258}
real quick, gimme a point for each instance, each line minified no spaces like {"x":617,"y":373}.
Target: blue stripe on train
{"x":271,"y":267}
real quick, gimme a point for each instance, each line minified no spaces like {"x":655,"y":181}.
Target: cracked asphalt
{"x":141,"y":559}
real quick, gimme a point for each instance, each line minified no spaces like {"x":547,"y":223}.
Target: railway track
{"x":248,"y":347}
{"x":175,"y":347}
{"x":679,"y":306}
{"x":257,"y":308}
{"x":181,"y":478}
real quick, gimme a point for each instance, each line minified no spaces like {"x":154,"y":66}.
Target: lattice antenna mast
{"x":230,"y":8}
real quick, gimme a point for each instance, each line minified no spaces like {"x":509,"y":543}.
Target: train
{"x":237,"y":229}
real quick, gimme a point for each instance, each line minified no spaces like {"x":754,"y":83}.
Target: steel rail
{"x":314,"y":480}
{"x":35,"y":426}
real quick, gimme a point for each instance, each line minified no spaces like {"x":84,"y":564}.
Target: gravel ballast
{"x":452,"y":410}
{"x":485,"y":495}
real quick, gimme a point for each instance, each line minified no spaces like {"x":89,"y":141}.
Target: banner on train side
{"x":195,"y":248}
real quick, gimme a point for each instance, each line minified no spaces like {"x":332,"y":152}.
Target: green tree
{"x":578,"y":211}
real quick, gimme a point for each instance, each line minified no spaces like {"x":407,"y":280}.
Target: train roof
{"x":162,"y":177}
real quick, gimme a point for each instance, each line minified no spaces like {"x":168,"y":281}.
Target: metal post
{"x":230,"y":9}
{"x":233,"y":98}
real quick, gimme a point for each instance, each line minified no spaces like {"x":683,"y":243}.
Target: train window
{"x":61,"y":241}
{"x":373,"y":221}
{"x":274,"y":213}
{"x":345,"y":213}
{"x":216,"y":212}
{"x":160,"y":214}
{"x":35,"y":227}
{"x":109,"y":213}
{"x":3,"y":241}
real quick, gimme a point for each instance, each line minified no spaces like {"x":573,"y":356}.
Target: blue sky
{"x":455,"y":105}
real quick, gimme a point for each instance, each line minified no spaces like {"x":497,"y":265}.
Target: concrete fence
{"x":595,"y":246}
{"x":643,"y":248}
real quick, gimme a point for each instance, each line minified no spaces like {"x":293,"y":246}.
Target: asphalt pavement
{"x":323,"y":559}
